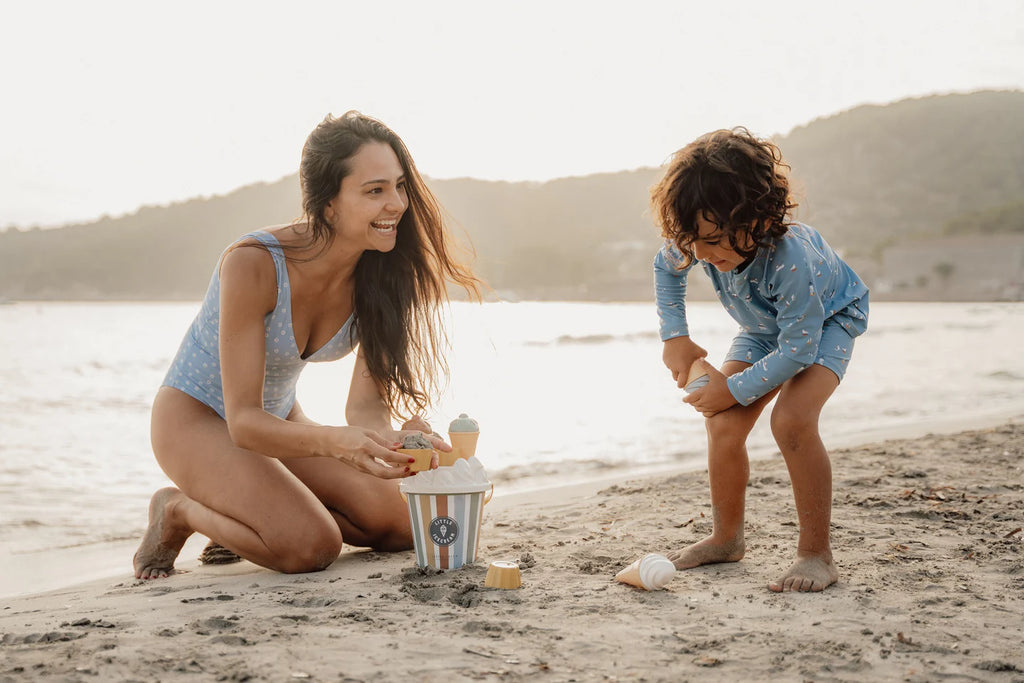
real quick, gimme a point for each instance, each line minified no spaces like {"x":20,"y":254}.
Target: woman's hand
{"x":678,"y":354}
{"x":417,"y":425}
{"x":715,"y":396}
{"x":367,"y":451}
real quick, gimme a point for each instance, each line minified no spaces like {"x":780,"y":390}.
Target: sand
{"x":927,"y":534}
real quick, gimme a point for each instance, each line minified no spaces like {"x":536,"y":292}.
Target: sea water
{"x":562,"y":392}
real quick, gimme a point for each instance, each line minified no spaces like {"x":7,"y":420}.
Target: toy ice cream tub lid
{"x":465,"y":476}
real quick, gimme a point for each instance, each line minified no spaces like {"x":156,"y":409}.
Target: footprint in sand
{"x":222,"y":598}
{"x":486,"y":628}
{"x":204,"y":627}
{"x":309,"y":602}
{"x":50,"y":637}
{"x":596,"y":564}
{"x":232,"y":640}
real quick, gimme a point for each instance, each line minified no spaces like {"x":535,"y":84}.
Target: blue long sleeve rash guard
{"x":787,"y":292}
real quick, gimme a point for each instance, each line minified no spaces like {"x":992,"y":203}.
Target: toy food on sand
{"x":416,"y":446}
{"x":463,"y":433}
{"x":503,"y":574}
{"x":697,"y":378}
{"x":651,"y":572}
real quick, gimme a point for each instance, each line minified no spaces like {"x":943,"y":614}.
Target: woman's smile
{"x":385,"y":227}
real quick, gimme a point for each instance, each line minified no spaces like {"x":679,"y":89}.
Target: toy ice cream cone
{"x":463,"y":433}
{"x":651,"y":572}
{"x":422,"y":458}
{"x":697,"y":378}
{"x":417,"y":447}
{"x":463,"y":444}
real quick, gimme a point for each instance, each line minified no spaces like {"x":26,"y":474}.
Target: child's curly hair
{"x":733,"y":180}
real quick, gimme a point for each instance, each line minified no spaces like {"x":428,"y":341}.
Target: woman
{"x":368,"y":264}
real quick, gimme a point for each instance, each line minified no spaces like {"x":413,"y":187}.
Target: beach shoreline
{"x":42,"y":571}
{"x":926,"y":532}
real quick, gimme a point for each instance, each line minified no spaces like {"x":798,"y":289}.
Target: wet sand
{"x":927,"y":535}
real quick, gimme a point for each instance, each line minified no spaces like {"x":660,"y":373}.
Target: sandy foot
{"x":160,"y":545}
{"x":708,"y":551}
{"x":808,"y":574}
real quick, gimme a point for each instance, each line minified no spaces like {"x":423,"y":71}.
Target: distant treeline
{"x":1008,"y":218}
{"x":867,"y":178}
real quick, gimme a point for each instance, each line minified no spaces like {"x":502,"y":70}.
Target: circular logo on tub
{"x":443,"y":530}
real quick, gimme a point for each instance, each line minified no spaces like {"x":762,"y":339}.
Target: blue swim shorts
{"x":834,"y":350}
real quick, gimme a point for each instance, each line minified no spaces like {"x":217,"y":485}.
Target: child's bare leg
{"x":795,"y":427}
{"x":728,"y":471}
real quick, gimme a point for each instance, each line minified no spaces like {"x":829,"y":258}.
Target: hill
{"x":883,"y":174}
{"x":868,"y":178}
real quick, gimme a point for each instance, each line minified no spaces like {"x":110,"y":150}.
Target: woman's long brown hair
{"x":398,"y":294}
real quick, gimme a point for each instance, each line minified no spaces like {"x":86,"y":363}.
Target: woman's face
{"x":713,"y":247}
{"x":372,"y":199}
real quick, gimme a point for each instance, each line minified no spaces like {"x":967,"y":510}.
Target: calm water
{"x":559,"y":389}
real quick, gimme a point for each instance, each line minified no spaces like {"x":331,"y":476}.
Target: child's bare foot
{"x":161,"y":543}
{"x":708,"y":551}
{"x":809,"y":573}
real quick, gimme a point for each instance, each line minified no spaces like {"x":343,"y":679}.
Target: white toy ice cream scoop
{"x":651,"y":572}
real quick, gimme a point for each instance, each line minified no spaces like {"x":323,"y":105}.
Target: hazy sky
{"x":107,"y":106}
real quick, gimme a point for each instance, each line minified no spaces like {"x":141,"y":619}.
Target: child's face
{"x":713,"y":247}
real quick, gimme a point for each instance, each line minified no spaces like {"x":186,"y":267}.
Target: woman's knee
{"x":313,"y":551}
{"x":394,"y":536}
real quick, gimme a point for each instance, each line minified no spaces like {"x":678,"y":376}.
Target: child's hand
{"x":713,"y":397}
{"x":678,"y":354}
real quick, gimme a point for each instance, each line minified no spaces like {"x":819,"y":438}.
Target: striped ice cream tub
{"x":446,"y":526}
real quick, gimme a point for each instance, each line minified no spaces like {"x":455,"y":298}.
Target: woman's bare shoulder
{"x":246,"y":257}
{"x":248,"y":270}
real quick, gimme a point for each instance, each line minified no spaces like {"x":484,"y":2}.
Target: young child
{"x":724,"y":201}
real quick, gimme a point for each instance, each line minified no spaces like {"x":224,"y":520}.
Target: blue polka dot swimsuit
{"x":195,"y":369}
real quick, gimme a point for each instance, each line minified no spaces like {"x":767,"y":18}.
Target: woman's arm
{"x":366,"y":408}
{"x":248,"y":292}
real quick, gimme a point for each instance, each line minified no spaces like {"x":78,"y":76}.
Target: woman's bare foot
{"x":162,"y":542}
{"x":809,"y":573}
{"x":708,"y":551}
